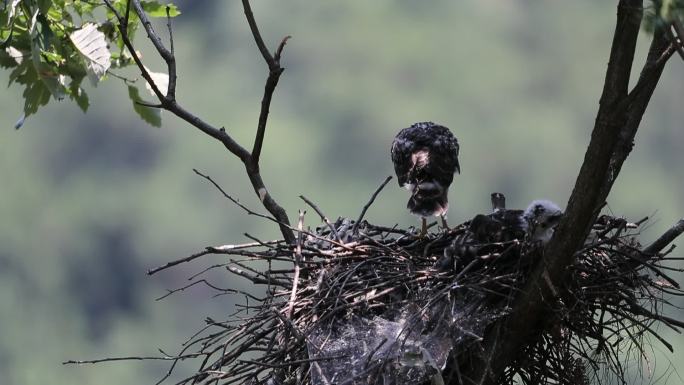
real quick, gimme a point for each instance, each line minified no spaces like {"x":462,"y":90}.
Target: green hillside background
{"x":89,"y":202}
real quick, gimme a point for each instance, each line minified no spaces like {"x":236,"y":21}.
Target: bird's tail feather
{"x":428,"y":206}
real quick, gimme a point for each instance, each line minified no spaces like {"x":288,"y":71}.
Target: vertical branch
{"x":168,"y":101}
{"x":274,"y":72}
{"x":257,"y":35}
{"x":616,"y":124}
{"x":297,"y":264}
{"x":171,"y":92}
{"x":268,"y":201}
{"x":166,"y":54}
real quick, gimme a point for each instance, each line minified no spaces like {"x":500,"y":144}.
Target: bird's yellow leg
{"x":423,"y":229}
{"x":444,"y":222}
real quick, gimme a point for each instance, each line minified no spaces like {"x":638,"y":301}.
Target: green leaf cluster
{"x":663,"y":13}
{"x":47,"y":46}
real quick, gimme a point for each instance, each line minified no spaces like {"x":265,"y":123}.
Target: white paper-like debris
{"x":92,"y":45}
{"x":160,"y":79}
{"x":15,"y":54}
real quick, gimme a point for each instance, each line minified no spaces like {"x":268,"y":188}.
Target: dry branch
{"x":666,"y":238}
{"x":370,"y":202}
{"x":168,"y":101}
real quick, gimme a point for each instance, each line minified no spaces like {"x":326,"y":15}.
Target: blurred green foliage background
{"x":89,"y":202}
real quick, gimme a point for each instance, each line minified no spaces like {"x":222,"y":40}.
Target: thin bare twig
{"x":274,"y":72}
{"x":324,"y":218}
{"x":297,"y":263}
{"x":132,"y":358}
{"x":370,"y":202}
{"x":670,"y":235}
{"x":272,"y":64}
{"x":223,"y":249}
{"x":237,"y":202}
{"x":171,"y":91}
{"x":169,"y":103}
{"x":202,"y":281}
{"x":178,"y":262}
{"x":255,"y":279}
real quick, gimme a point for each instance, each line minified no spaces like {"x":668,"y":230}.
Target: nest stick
{"x":370,"y":202}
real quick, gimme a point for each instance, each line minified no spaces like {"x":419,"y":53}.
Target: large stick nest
{"x":366,"y":304}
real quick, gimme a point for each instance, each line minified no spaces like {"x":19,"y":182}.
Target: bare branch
{"x":665,"y":239}
{"x":633,"y":106}
{"x":281,"y":46}
{"x":151,"y":34}
{"x":223,"y":249}
{"x":132,"y":358}
{"x":272,"y":64}
{"x":150,"y":105}
{"x":370,"y":202}
{"x":128,"y":12}
{"x":237,"y":202}
{"x":256,"y":279}
{"x":123,"y":30}
{"x":216,"y":133}
{"x":201,"y":281}
{"x":324,"y":218}
{"x":274,"y":72}
{"x":169,"y":103}
{"x":167,"y":55}
{"x":268,"y":201}
{"x":171,"y":93}
{"x":297,"y":263}
{"x":269,"y":88}
{"x":178,"y":262}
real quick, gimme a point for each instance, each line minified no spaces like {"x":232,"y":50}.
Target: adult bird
{"x":425,"y":158}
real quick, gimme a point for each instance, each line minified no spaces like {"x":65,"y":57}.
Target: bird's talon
{"x":445,"y":226}
{"x":423,"y":228}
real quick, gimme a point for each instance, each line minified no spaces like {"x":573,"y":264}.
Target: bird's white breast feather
{"x":420,"y":158}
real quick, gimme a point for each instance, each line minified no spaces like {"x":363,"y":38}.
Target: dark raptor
{"x":425,"y":158}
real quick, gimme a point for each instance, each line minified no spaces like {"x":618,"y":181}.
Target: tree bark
{"x":616,"y":124}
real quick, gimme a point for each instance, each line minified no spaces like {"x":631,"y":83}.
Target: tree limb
{"x":274,"y":72}
{"x":666,"y":238}
{"x":324,"y":218}
{"x":272,"y":64}
{"x":616,"y":124}
{"x":168,"y":102}
{"x":370,"y":202}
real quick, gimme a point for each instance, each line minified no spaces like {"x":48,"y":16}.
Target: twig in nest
{"x":178,"y":261}
{"x":324,"y":218}
{"x":370,"y":202}
{"x":297,"y":263}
